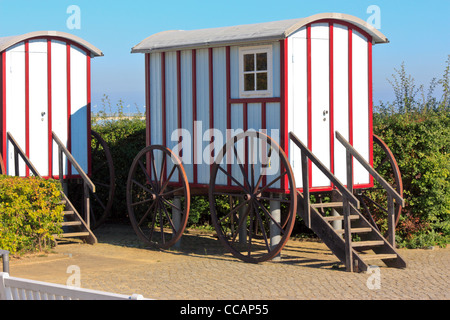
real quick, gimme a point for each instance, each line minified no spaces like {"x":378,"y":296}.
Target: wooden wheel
{"x":374,"y":200}
{"x":158,"y":196}
{"x":103,"y":176}
{"x":259,"y":219}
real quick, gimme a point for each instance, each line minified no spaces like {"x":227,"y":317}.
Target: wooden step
{"x":72,"y":235}
{"x":327,"y":205}
{"x":372,"y":243}
{"x":336,"y":218}
{"x":355,"y":230}
{"x":71,"y":223}
{"x":68,"y":213}
{"x":368,"y":257}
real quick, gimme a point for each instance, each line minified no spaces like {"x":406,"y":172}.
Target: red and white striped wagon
{"x":231,"y":104}
{"x":45,"y":92}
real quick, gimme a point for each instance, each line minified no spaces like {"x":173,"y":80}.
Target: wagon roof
{"x":277,"y":30}
{"x":6,"y":42}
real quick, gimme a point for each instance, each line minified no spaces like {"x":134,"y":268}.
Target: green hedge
{"x":416,"y":127}
{"x":30,"y":213}
{"x":125,"y":137}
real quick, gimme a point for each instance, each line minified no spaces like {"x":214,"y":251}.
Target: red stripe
{"x":264,"y":129}
{"x":283,"y":104}
{"x":194,"y":110}
{"x":49,"y":111}
{"x":309,"y":79}
{"x":350,"y":84}
{"x":350,"y":89}
{"x":3,"y":88}
{"x":27,"y":104}
{"x":163,"y":98}
{"x":179,"y":118}
{"x":88,"y":81}
{"x":147,"y":99}
{"x":69,"y":109}
{"x":369,"y":48}
{"x":331,"y":118}
{"x":148,"y":139}
{"x":211,"y":97}
{"x":228,"y":75}
{"x":245,"y":124}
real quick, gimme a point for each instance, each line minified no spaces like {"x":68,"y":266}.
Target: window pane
{"x":261,"y":61}
{"x":261,"y":81}
{"x":249,"y":62}
{"x":249,"y":82}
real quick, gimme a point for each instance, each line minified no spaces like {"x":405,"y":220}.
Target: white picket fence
{"x":12,"y":288}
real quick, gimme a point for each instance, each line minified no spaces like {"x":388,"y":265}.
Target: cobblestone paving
{"x":201,"y":270}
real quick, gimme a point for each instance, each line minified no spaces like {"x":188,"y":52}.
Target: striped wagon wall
{"x":319,"y":80}
{"x":45,"y":87}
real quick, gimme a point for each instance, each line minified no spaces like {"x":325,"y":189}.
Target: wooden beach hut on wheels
{"x":304,"y":86}
{"x":45,"y":106}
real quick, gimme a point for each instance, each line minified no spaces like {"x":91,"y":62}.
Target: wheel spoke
{"x":153,"y":164}
{"x":233,"y":211}
{"x":169,"y":219}
{"x":270,"y":216}
{"x":171,"y":204}
{"x":239,"y":162}
{"x":143,"y":187}
{"x":144,"y":169}
{"x":272,"y":182}
{"x":146,"y":214}
{"x":168,"y":179}
{"x":171,"y":192}
{"x":163,"y":169}
{"x":141,"y":202}
{"x":262,"y":228}
{"x":232,"y":178}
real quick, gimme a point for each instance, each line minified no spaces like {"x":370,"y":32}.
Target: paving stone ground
{"x":201,"y":269}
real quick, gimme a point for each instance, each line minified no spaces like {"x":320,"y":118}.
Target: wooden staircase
{"x":74,"y":226}
{"x":358,"y":243}
{"x":73,"y":222}
{"x":370,"y":247}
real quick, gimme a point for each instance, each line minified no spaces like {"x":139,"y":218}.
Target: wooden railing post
{"x":306,"y":202}
{"x":349,"y":171}
{"x":347,"y":236}
{"x":391,"y":220}
{"x":391,"y":193}
{"x":86,"y":205}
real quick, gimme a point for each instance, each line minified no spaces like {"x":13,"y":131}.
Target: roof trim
{"x":6,"y":42}
{"x":251,"y":33}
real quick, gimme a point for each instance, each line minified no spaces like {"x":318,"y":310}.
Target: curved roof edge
{"x":6,"y":42}
{"x":376,"y":35}
{"x":277,"y":30}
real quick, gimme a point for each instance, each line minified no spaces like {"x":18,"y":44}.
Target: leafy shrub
{"x":125,"y":137}
{"x":416,"y":127}
{"x":30,"y":213}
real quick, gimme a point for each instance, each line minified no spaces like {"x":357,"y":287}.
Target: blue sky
{"x":419,"y":32}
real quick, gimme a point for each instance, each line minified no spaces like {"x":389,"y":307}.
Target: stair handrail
{"x":392,"y":194}
{"x":348,"y":198}
{"x":87,"y":183}
{"x":19,"y":152}
{"x":73,"y":162}
{"x":338,"y":184}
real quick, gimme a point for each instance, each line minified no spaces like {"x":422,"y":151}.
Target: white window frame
{"x":254,"y":50}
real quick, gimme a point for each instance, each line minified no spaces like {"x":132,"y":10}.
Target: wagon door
{"x":310,"y":106}
{"x":330,"y":90}
{"x":38,"y":122}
